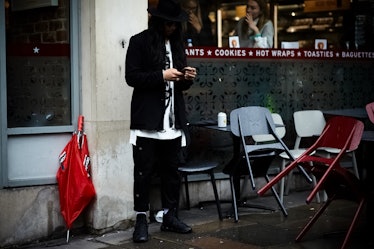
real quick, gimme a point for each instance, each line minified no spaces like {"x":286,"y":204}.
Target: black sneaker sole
{"x":171,"y":229}
{"x":140,"y":240}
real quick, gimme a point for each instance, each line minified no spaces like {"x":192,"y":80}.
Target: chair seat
{"x":203,"y":167}
{"x":198,"y":167}
{"x":264,"y":147}
{"x":349,"y":152}
{"x":295,"y":153}
{"x":330,"y":150}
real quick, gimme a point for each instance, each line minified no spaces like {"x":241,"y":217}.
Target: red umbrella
{"x":73,"y":177}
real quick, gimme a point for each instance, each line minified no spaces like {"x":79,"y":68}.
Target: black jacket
{"x":148,"y":99}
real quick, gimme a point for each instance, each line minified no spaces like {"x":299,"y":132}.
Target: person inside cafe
{"x":255,"y":29}
{"x":198,"y":27}
{"x":156,"y":68}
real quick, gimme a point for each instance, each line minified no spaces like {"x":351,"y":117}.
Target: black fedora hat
{"x":169,"y":10}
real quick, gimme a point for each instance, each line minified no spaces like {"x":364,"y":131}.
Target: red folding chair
{"x":343,"y":133}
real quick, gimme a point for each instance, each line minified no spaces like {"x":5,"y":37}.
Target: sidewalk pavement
{"x":256,"y":229}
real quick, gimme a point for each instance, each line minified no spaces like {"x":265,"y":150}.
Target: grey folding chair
{"x":246,"y":122}
{"x":280,"y":129}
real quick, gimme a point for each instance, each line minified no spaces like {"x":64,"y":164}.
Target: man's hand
{"x":172,"y":74}
{"x":189,"y":73}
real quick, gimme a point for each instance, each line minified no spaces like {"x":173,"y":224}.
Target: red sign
{"x":38,"y":49}
{"x":253,"y":53}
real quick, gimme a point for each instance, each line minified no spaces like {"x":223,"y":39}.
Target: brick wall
{"x":40,"y":25}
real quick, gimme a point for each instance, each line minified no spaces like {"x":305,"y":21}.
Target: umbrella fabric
{"x":74,"y":181}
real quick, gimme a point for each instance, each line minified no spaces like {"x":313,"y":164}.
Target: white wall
{"x":32,"y":213}
{"x":106,"y":26}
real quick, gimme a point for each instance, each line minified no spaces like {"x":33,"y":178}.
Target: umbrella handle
{"x":80,"y":130}
{"x":80,"y":123}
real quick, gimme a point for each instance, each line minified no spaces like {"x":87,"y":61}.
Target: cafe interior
{"x":294,"y":75}
{"x":345,"y":24}
{"x":338,"y":76}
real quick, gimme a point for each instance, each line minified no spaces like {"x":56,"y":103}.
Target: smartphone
{"x":186,"y":70}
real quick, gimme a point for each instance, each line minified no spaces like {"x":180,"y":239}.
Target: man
{"x":156,"y":67}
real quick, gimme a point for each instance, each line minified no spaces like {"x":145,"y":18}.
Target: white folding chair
{"x":308,"y":123}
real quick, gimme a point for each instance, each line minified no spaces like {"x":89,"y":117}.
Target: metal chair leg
{"x":234,"y":204}
{"x":284,"y":211}
{"x":213,"y":180}
{"x":185,"y":176}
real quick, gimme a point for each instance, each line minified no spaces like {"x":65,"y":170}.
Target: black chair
{"x":191,"y":168}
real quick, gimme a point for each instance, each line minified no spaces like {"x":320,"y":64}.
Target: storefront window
{"x":38,"y":64}
{"x":304,"y":24}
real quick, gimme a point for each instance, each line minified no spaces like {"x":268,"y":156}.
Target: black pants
{"x":150,"y":154}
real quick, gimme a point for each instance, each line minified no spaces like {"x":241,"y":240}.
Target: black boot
{"x":141,"y":229}
{"x":170,"y":222}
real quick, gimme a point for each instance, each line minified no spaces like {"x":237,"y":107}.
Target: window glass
{"x":38,"y":64}
{"x":304,"y":24}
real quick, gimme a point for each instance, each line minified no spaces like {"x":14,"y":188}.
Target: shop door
{"x":39,"y":90}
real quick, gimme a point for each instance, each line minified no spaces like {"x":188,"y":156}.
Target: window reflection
{"x":199,"y":27}
{"x":38,"y":65}
{"x":343,"y":24}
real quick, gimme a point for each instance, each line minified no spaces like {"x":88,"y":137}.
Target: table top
{"x":368,"y":136}
{"x":227,"y":127}
{"x":211,"y":124}
{"x":216,"y":127}
{"x":359,"y":113}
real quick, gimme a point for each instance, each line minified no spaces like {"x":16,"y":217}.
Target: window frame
{"x":75,"y":96}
